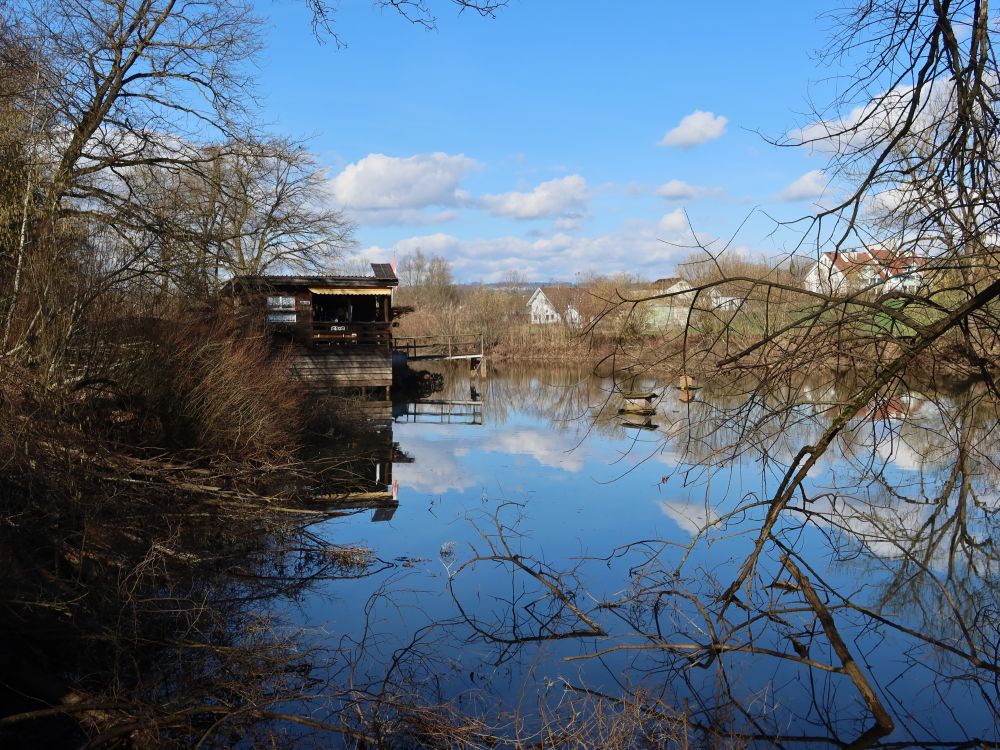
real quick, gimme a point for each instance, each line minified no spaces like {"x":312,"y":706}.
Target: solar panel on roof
{"x":383,"y":271}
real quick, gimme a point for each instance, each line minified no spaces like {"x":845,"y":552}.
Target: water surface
{"x":599,"y":504}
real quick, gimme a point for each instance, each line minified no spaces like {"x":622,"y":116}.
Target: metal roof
{"x":382,"y":281}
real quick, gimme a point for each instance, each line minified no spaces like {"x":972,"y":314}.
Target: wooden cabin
{"x":339,"y":326}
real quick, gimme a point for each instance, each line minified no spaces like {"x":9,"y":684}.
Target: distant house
{"x":723,"y":301}
{"x":672,"y":310}
{"x":840,"y":272}
{"x":556,"y":304}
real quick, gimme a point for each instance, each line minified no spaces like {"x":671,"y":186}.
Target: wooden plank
{"x":357,"y":499}
{"x":639,"y":395}
{"x":344,"y":369}
{"x":442,"y":357}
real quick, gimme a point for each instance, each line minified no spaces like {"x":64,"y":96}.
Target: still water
{"x":532,"y":482}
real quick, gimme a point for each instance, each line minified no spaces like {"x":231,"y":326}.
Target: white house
{"x":839,"y":272}
{"x":672,"y":310}
{"x":556,"y":304}
{"x":723,"y":301}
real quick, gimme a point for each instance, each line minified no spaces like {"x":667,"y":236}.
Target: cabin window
{"x":280,"y":302}
{"x":281,"y":317}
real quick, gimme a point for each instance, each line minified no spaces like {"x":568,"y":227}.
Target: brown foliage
{"x":201,"y":386}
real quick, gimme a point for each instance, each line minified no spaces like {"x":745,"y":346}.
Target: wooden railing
{"x":459,"y":346}
{"x":328,"y":333}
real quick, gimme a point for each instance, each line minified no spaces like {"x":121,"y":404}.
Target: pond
{"x":548,"y":557}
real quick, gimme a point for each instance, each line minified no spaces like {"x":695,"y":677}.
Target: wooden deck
{"x":362,"y":355}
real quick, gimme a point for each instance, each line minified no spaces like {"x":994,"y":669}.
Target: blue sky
{"x":559,"y":138}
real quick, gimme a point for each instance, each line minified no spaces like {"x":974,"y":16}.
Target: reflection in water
{"x":548,"y":568}
{"x":356,"y":471}
{"x":440,"y":411}
{"x":610,"y":540}
{"x":142,"y":605}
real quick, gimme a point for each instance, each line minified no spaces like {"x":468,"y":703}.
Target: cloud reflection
{"x":690,"y":516}
{"x":435,"y":469}
{"x":549,"y":448}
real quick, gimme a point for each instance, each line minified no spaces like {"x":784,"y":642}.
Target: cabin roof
{"x":384,"y":278}
{"x":332,"y":281}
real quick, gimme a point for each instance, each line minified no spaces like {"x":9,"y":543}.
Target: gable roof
{"x":563,"y":297}
{"x":667,"y":282}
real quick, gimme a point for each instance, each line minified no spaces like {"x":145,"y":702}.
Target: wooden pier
{"x":440,"y":412}
{"x":463,"y":346}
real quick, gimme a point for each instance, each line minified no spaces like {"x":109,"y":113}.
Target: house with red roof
{"x":853,"y":270}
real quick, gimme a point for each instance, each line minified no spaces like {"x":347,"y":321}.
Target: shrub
{"x":204,"y":386}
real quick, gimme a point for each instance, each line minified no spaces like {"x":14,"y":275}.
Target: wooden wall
{"x":344,"y":367}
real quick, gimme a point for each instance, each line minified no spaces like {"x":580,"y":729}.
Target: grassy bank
{"x":150,"y":523}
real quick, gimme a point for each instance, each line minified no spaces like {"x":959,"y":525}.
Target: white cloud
{"x":678,"y":190}
{"x":901,"y":454}
{"x":567,"y":223}
{"x":809,"y":186}
{"x":566,"y":196}
{"x":872,"y":124}
{"x":435,"y":469}
{"x":647,"y":248}
{"x":438,"y":243}
{"x":694,"y":129}
{"x":410,"y":217}
{"x":675,"y":222}
{"x":380,"y":183}
{"x":832,"y":136}
{"x":885,"y":530}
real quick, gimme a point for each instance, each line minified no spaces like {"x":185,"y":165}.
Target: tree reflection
{"x":873,"y":593}
{"x":142,"y":603}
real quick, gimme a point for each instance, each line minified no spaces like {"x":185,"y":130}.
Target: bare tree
{"x":126,"y":86}
{"x":418,"y":12}
{"x":250,"y":208}
{"x":426,"y":280}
